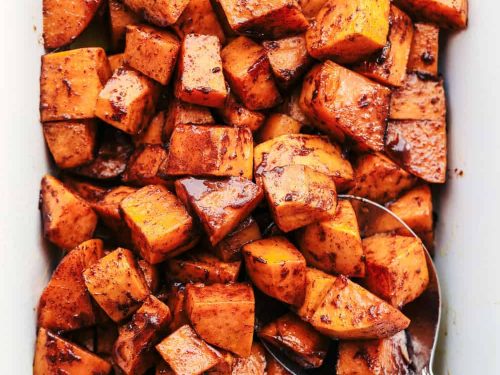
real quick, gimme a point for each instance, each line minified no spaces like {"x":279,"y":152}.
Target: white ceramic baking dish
{"x":468,"y":255}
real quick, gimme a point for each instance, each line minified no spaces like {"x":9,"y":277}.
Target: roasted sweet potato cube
{"x":65,"y":303}
{"x":62,"y":24}
{"x":418,"y":99}
{"x":127,"y":101}
{"x":228,"y":250}
{"x":254,"y":364}
{"x":210,"y":151}
{"x":379,"y":179}
{"x":299,"y":195}
{"x":153,"y":134}
{"x":298,"y":339}
{"x":317,"y":286}
{"x":420,"y":147}
{"x":273,"y":19}
{"x":71,"y":143}
{"x":120,"y":17}
{"x":347,"y":31}
{"x":312,"y":151}
{"x":445,"y":13}
{"x":236,"y":114}
{"x":288,"y":58}
{"x":151,"y":275}
{"x":158,"y":12}
{"x":334,"y":246}
{"x":396,"y":267}
{"x":67,"y":219}
{"x":277,"y":268}
{"x":116,"y":284}
{"x":279,"y":124}
{"x":55,"y":355}
{"x":181,"y":113}
{"x":202,"y":267}
{"x":116,"y":61}
{"x":310,"y":8}
{"x":345,"y":101}
{"x":248,"y":71}
{"x":389,"y":66}
{"x":70,"y":83}
{"x":158,"y":221}
{"x":108,"y":209}
{"x":133,"y":351}
{"x":223,"y":315}
{"x":220,"y":204}
{"x":153,"y":52}
{"x":175,"y":301}
{"x":89,"y":192}
{"x":186,"y":353}
{"x":424,"y":50}
{"x":383,"y":356}
{"x":291,"y":107}
{"x":144,"y":164}
{"x":200,"y":79}
{"x":351,"y":312}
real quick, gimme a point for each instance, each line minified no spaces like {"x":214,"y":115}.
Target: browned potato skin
{"x":67,"y":219}
{"x":143,"y":166}
{"x":452,"y":14}
{"x":119,"y":18}
{"x":54,"y":355}
{"x":175,"y":301}
{"x":288,"y":58}
{"x":181,"y":113}
{"x":202,"y":267}
{"x":300,"y":341}
{"x":65,"y":303}
{"x":277,"y":268}
{"x":158,"y":12}
{"x":223,"y":315}
{"x":80,"y":71}
{"x":248,"y":71}
{"x":317,"y":286}
{"x":420,"y":147}
{"x":352,"y":312}
{"x":396,"y":268}
{"x":278,"y":124}
{"x":186,"y":353}
{"x":62,"y":24}
{"x":116,"y":284}
{"x":298,"y":196}
{"x":153,"y":52}
{"x":424,"y":51}
{"x":132,"y":351}
{"x":255,"y":364}
{"x":272,"y":19}
{"x":389,"y":66}
{"x":229,"y":249}
{"x":151,"y":275}
{"x":340,"y":100}
{"x":334,"y":246}
{"x":210,"y":151}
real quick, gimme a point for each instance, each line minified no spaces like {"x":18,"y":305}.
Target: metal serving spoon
{"x":424,"y":312}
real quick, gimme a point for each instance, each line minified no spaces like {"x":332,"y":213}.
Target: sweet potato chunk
{"x":379,"y":179}
{"x":248,"y":71}
{"x":153,"y":52}
{"x":151,"y":274}
{"x":62,"y":24}
{"x":220,"y":204}
{"x":175,"y":301}
{"x":127,"y":101}
{"x":310,"y":8}
{"x":396,"y":267}
{"x":153,"y":134}
{"x":200,"y":78}
{"x":65,"y":303}
{"x":202,"y":267}
{"x":424,"y":51}
{"x":445,"y":13}
{"x":116,"y":284}
{"x":347,"y":31}
{"x":108,"y":209}
{"x":158,"y":12}
{"x":288,"y":58}
{"x":210,"y":151}
{"x":334,"y":246}
{"x":67,"y":219}
{"x":272,"y":19}
{"x":54,"y":355}
{"x":277,"y":268}
{"x":223,"y":315}
{"x":120,"y":17}
{"x":297,"y":339}
{"x":351,"y":312}
{"x":186,"y":353}
{"x":317,"y":286}
{"x":298,"y":196}
{"x":420,"y":147}
{"x":291,"y":107}
{"x":345,"y":101}
{"x":254,"y":364}
{"x":236,"y":114}
{"x":158,"y":221}
{"x":229,"y":248}
{"x":132,"y":351}
{"x":116,"y":61}
{"x":144,"y":164}
{"x":182,"y":113}
{"x":225,"y":365}
{"x":312,"y":151}
{"x":389,"y":66}
{"x":89,"y":192}
{"x":418,"y":99}
{"x":70,"y":82}
{"x":383,"y":356}
{"x":279,"y":124}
